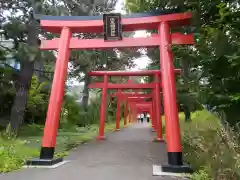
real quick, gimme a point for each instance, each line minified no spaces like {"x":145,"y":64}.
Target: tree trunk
{"x":20,"y":102}
{"x":25,"y":77}
{"x":38,"y":70}
{"x":187,"y":113}
{"x":185,"y":68}
{"x":85,"y":92}
{"x":85,"y":97}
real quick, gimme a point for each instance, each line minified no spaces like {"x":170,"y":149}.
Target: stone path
{"x":125,"y":155}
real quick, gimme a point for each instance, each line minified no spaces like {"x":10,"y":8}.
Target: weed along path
{"x":128,"y":154}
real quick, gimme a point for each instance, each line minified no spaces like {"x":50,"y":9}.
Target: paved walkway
{"x":125,"y":155}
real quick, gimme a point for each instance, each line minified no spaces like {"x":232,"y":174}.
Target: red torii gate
{"x":137,"y":98}
{"x":66,"y":26}
{"x":126,"y":97}
{"x":144,"y":107}
{"x":147,"y":106}
{"x":104,"y":86}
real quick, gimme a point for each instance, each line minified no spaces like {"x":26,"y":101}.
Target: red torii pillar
{"x":158,"y":109}
{"x":174,"y":146}
{"x":151,"y":115}
{"x":125,"y":113}
{"x":118,"y":111}
{"x":133,"y":112}
{"x":130,"y":113}
{"x":154,"y":118}
{"x":103,"y":109}
{"x":55,"y":101}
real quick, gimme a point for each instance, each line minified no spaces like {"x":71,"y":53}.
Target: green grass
{"x":13,"y":152}
{"x":213,"y":151}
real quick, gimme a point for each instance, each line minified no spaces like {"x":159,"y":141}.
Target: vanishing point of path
{"x":125,"y":155}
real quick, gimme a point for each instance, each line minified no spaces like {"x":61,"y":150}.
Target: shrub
{"x":31,"y":130}
{"x":201,"y":175}
{"x":71,"y":111}
{"x":37,"y":102}
{"x":13,"y":153}
{"x":207,"y":144}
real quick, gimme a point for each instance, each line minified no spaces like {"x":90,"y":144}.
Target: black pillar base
{"x":177,"y":169}
{"x":47,"y":153}
{"x":43,"y":162}
{"x":175,"y":164}
{"x":175,"y":158}
{"x":46,"y":158}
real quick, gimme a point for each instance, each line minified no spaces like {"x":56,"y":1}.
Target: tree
{"x":85,"y":61}
{"x":21,"y":26}
{"x":217,"y":45}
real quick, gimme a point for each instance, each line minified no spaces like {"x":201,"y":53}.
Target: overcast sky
{"x":142,"y":62}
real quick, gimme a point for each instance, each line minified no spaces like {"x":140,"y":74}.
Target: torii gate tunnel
{"x":126,"y":98}
{"x":66,"y":26}
{"x":156,"y":102}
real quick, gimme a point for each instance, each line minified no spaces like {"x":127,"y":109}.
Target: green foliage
{"x":93,"y":113}
{"x":201,"y":175}
{"x":31,"y":130}
{"x":37,"y":101}
{"x":21,"y":26}
{"x":13,"y":153}
{"x":210,"y":148}
{"x":211,"y":67}
{"x":7,"y":92}
{"x":71,"y":111}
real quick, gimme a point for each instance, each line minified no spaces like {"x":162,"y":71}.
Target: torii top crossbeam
{"x":123,"y":86}
{"x":94,"y":24}
{"x":128,"y":73}
{"x":132,"y":95}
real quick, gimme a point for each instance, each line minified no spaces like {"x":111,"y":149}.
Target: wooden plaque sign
{"x":112,"y":27}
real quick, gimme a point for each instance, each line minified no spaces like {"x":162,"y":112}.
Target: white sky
{"x":140,"y":63}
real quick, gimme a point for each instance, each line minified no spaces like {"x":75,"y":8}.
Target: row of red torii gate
{"x":112,"y":26}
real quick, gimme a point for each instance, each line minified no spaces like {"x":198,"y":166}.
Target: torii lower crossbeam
{"x":76,"y":43}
